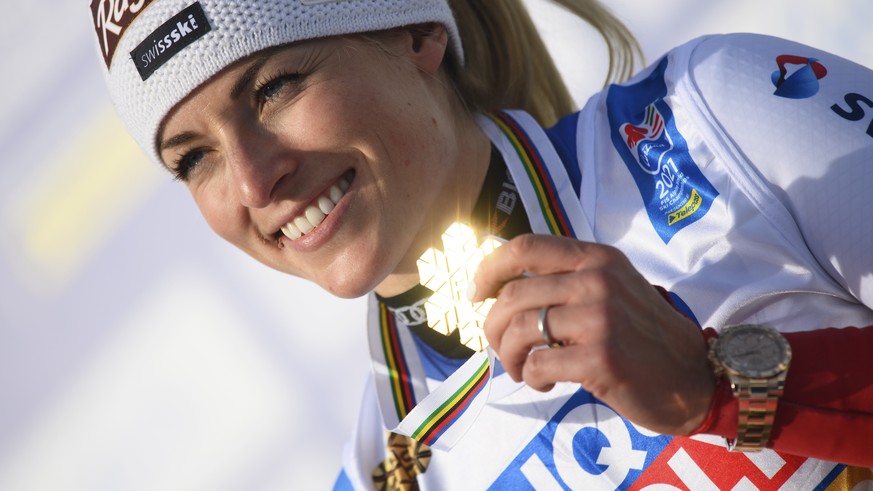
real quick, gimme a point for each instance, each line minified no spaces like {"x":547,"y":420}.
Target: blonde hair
{"x":508,"y":66}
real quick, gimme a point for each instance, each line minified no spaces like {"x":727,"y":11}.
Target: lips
{"x":316,"y":212}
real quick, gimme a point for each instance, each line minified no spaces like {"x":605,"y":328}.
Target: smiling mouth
{"x":316,"y":212}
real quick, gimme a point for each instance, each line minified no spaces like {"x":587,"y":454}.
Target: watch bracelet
{"x":755,"y":418}
{"x":756,"y":412}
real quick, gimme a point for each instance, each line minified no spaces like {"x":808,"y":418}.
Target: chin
{"x":348,"y":289}
{"x":351,"y":284}
{"x":342,"y":278}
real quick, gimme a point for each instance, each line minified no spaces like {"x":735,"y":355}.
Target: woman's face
{"x":325,"y":160}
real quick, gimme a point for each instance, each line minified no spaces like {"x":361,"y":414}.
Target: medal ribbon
{"x":440,"y":418}
{"x":543,"y":186}
{"x":399,"y":373}
{"x":551,"y":203}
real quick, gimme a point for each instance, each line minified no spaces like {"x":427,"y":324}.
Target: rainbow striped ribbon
{"x":399,"y":374}
{"x":544,"y":187}
{"x":440,"y":418}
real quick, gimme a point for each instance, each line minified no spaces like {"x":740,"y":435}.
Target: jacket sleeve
{"x":802,"y":120}
{"x":826,"y":411}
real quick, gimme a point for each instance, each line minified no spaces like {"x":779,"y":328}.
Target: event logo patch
{"x":111,"y":19}
{"x":643,"y":129}
{"x":648,"y":141}
{"x":800,"y":84}
{"x":170,"y":38}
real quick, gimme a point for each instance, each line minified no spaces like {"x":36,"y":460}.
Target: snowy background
{"x":137,"y":350}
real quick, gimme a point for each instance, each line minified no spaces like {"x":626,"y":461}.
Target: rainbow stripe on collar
{"x":440,"y":416}
{"x":395,"y":360}
{"x":434,"y":426}
{"x":544,"y":187}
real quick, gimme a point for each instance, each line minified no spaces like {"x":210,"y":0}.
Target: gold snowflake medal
{"x":448,"y":273}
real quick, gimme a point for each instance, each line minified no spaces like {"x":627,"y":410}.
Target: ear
{"x":429,"y":42}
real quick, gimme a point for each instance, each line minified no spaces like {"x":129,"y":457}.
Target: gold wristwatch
{"x":755,"y":359}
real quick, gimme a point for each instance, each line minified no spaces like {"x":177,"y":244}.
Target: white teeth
{"x":325,"y":205}
{"x":335,"y":193}
{"x":316,"y":213}
{"x":291,"y":231}
{"x":303,"y":224}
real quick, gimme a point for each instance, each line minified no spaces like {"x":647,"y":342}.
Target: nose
{"x":257,"y":162}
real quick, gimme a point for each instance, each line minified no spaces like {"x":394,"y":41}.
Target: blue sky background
{"x":138,"y":351}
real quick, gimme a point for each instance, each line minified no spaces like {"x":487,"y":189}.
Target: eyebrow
{"x":246,"y":78}
{"x":235,"y":92}
{"x":177,"y":140}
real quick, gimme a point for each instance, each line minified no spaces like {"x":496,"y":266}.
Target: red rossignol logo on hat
{"x":111,"y":19}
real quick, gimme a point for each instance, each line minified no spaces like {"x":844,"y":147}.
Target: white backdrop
{"x":139,"y":352}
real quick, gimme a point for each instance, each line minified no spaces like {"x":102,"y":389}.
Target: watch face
{"x":754,"y":351}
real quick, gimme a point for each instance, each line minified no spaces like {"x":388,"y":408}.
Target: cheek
{"x":225,"y":220}
{"x":370,"y":103}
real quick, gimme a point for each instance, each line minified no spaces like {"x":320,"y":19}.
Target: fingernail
{"x":471,"y":291}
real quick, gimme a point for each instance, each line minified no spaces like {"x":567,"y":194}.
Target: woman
{"x":338,"y":140}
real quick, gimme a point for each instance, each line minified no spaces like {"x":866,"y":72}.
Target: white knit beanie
{"x":157,"y":51}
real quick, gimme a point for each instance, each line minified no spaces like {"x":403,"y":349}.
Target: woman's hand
{"x":621,"y":340}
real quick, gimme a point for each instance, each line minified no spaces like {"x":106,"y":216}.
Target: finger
{"x":520,"y":337}
{"x":546,"y":367}
{"x":578,"y":288}
{"x":521,"y":295}
{"x":538,"y":255}
{"x":579,"y":324}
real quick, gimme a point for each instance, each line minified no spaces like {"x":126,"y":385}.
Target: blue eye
{"x":274,"y":86}
{"x":187,"y":163}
